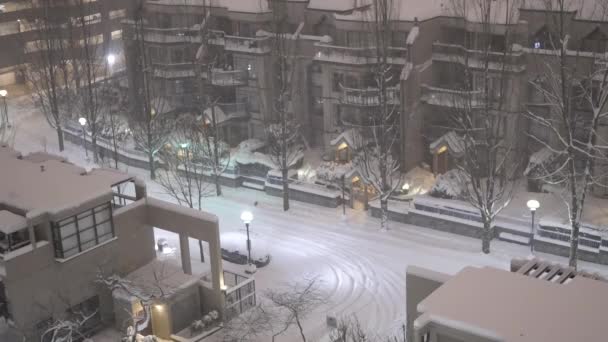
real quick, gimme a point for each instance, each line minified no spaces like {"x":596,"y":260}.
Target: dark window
{"x":79,"y":233}
{"x":338,"y":79}
{"x":595,"y":41}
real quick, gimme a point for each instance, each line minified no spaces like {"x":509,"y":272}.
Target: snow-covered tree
{"x":286,"y":307}
{"x":88,"y":64}
{"x":282,"y":128}
{"x":150,"y":120}
{"x":574,"y":91}
{"x":480,"y":113}
{"x":48,"y":68}
{"x":379,"y":136}
{"x":146,"y":294}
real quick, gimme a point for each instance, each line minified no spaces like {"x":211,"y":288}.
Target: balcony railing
{"x":368,"y":97}
{"x":451,"y":98}
{"x":257,"y":45}
{"x":510,"y":61}
{"x":234,"y":108}
{"x":154,"y":35}
{"x":220,"y":77}
{"x":174,"y":70}
{"x":358,"y":55}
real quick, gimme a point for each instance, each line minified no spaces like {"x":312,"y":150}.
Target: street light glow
{"x":111,"y":59}
{"x":82,"y":121}
{"x":247,"y":216}
{"x":533,"y":204}
{"x":184,"y":145}
{"x":3,"y":92}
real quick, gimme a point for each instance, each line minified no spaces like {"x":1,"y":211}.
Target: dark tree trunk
{"x":60,"y":138}
{"x":152,"y":166}
{"x":285,"y":190}
{"x":486,"y":237}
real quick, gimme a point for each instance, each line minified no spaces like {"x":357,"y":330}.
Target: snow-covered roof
{"x":452,"y":141}
{"x":245,"y":6}
{"x":337,"y":5}
{"x":539,"y":306}
{"x":10,"y":223}
{"x":538,"y":158}
{"x":585,"y":9}
{"x":49,"y":185}
{"x":349,"y":136}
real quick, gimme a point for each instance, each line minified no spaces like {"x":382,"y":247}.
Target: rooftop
{"x":515,"y":307}
{"x":43,"y":183}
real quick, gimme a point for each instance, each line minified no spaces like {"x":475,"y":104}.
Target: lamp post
{"x":343,"y":199}
{"x":83,"y":122}
{"x":247,"y":217}
{"x":3,"y":94}
{"x":111,"y":59}
{"x":532,"y":205}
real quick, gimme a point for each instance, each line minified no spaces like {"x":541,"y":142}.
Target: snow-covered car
{"x":234,"y":249}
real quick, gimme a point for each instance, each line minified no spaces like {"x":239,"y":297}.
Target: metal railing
{"x":359,"y":55}
{"x":459,"y":53}
{"x":368,"y":97}
{"x":221,"y":77}
{"x":452,"y":98}
{"x":242,"y":44}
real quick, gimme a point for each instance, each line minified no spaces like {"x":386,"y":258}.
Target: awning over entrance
{"x":450,"y":142}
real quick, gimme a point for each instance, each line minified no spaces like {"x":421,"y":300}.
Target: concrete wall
{"x":185,"y":308}
{"x":419,"y":284}
{"x":306,"y":197}
{"x":66,"y":283}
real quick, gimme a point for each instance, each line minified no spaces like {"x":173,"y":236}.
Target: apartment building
{"x":437,"y":58}
{"x":63,"y":228}
{"x":19,"y":29}
{"x":535,"y":301}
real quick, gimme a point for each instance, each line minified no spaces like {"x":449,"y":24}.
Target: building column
{"x":184,"y":248}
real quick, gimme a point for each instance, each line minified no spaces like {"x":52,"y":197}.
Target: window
{"x":337,"y":79}
{"x":118,"y":14}
{"x":116,"y":34}
{"x":595,"y":41}
{"x":84,"y":231}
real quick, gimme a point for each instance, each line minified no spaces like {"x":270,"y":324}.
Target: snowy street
{"x":362,"y":268}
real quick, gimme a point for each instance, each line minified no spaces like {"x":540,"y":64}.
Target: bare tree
{"x":287,"y":307}
{"x":89,"y":64}
{"x":48,"y":66}
{"x":378,"y":137}
{"x":349,"y":329}
{"x":206,"y":61}
{"x":481,"y":113}
{"x":283,"y":131}
{"x":574,"y":92}
{"x":183,"y":176}
{"x":150,"y":119}
{"x":147,"y":293}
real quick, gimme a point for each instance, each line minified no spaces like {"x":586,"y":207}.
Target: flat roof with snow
{"x":513,"y":307}
{"x":44,"y":183}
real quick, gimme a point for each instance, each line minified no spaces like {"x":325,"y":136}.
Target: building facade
{"x":63,"y":230}
{"x":20,"y":22}
{"x":440,"y":54}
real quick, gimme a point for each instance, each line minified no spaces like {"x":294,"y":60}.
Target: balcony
{"x":14,"y":233}
{"x":369,"y":97}
{"x":358,"y":55}
{"x":509,"y":61}
{"x":169,"y":36}
{"x":229,"y":78}
{"x":451,"y":98}
{"x":174,"y":70}
{"x":255,"y":45}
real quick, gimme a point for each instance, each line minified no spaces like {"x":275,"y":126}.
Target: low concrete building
{"x":62,"y":226}
{"x":537,"y":301}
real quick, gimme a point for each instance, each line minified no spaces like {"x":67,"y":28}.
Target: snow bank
{"x":237,"y":242}
{"x":448,"y":185}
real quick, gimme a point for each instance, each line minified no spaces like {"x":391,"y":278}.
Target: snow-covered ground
{"x":362,"y":269}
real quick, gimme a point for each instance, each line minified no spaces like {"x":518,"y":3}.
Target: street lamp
{"x":247,"y":217}
{"x":111,"y":59}
{"x":83,"y":122}
{"x":3,"y":94}
{"x":532,"y":205}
